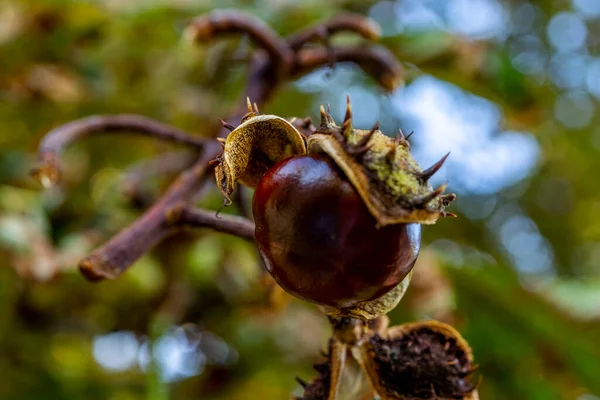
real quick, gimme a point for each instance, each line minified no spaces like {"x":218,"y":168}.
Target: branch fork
{"x":276,"y":60}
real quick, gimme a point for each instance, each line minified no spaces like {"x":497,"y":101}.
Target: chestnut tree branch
{"x":377,"y":62}
{"x":113,"y":258}
{"x":351,"y":23}
{"x":54,"y":142}
{"x":234,"y":225}
{"x":207,"y":27}
{"x":163,"y":165}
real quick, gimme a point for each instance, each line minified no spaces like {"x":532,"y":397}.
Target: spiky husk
{"x":390,"y":182}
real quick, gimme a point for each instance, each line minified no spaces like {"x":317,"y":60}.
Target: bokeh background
{"x":510,"y":87}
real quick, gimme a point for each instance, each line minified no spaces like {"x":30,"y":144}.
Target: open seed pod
{"x":366,"y":360}
{"x":253,"y":148}
{"x":392,"y":185}
{"x":424,"y":360}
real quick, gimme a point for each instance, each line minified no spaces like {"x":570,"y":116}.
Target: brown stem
{"x":163,"y":165}
{"x":220,"y":22}
{"x":52,"y":145}
{"x":114,"y":257}
{"x":378,"y":62}
{"x":234,"y":225}
{"x":352,"y":23}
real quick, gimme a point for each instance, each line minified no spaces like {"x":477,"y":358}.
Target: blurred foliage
{"x":197,"y":318}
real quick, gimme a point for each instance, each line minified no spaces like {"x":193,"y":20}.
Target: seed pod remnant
{"x":252,"y":148}
{"x":392,"y":185}
{"x":424,"y":360}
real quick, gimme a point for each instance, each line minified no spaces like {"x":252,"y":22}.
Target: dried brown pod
{"x":423,"y":360}
{"x":253,"y":147}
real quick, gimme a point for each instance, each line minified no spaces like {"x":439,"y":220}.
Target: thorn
{"x":440,"y":189}
{"x":227,"y":125}
{"x":346,"y":128}
{"x":391,"y":155}
{"x":249,"y":104}
{"x":409,"y":135}
{"x":323,"y":116}
{"x":448,"y":198}
{"x":306,"y":123}
{"x":348,"y":116}
{"x":429,"y":172}
{"x":221,"y":140}
{"x":359,"y":151}
{"x":428,"y":197}
{"x":448,"y":214}
{"x":256,"y":109}
{"x":339,"y":135}
{"x":216,"y":160}
{"x":403,"y":139}
{"x":329,"y":109}
{"x":361,"y":146}
{"x":302,"y":382}
{"x":321,"y":368}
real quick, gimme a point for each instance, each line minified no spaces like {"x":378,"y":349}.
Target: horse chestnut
{"x":318,"y":239}
{"x":337,"y":209}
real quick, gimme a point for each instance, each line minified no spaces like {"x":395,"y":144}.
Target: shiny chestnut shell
{"x":319,"y":241}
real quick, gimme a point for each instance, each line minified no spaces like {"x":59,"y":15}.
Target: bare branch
{"x":378,"y":62}
{"x":163,"y":165}
{"x":52,"y":145}
{"x":234,"y":225}
{"x":351,"y":23}
{"x":114,"y":257}
{"x":220,"y":22}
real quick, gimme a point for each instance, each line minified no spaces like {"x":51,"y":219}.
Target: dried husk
{"x":450,"y":373}
{"x":357,"y":364}
{"x":252,"y":148}
{"x":390,"y":182}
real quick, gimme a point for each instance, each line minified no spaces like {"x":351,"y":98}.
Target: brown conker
{"x":318,"y":239}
